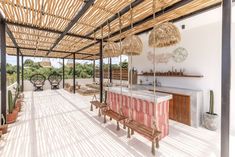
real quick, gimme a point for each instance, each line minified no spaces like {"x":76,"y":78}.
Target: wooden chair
{"x":107,"y":111}
{"x":55,"y":80}
{"x":151,"y":134}
{"x":38,"y":81}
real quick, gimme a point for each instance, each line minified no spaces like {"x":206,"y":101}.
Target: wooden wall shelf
{"x":193,"y":76}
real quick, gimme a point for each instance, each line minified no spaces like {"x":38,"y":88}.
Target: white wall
{"x":203,"y":44}
{"x":202,"y":39}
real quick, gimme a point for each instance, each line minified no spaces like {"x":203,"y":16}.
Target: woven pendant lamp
{"x":111,"y":49}
{"x":132,"y":45}
{"x":46,"y":63}
{"x":164,"y":35}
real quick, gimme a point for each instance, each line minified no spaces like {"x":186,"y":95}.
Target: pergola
{"x":78,"y":29}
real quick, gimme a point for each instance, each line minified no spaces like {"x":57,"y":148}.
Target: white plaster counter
{"x":140,"y":93}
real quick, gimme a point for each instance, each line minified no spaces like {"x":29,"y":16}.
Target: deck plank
{"x":59,"y":123}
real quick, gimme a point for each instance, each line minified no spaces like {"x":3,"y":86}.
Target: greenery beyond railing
{"x":30,"y":68}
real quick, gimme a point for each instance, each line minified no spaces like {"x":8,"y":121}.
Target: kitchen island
{"x":141,"y":106}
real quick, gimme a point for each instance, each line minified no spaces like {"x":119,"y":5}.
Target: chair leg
{"x":104,"y":118}
{"x":153,"y":147}
{"x":157,"y":143}
{"x":91,"y":108}
{"x":99,"y":113}
{"x":118,"y":127}
{"x":128,"y":133}
{"x":132,"y":132}
{"x":124,"y":125}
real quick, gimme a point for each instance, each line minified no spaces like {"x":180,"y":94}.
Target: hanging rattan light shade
{"x":70,"y":63}
{"x":111,"y":49}
{"x":164,"y":35}
{"x":132,"y":45}
{"x":45,"y":62}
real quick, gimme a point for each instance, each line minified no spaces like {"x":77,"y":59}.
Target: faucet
{"x":158,"y":83}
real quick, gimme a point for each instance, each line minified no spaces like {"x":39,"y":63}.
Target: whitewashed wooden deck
{"x":57,"y":123}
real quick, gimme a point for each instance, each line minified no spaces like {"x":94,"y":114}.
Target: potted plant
{"x":18,"y":102}
{"x":4,"y":126}
{"x":12,"y":113}
{"x":210,"y":119}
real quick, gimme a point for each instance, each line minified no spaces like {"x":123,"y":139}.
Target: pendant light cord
{"x":120,"y":42}
{"x":131,"y":82}
{"x":154,"y":69}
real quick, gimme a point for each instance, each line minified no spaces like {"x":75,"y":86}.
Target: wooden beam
{"x":12,"y":38}
{"x":82,"y":49}
{"x":46,"y":50}
{"x":200,"y":11}
{"x":149,"y":18}
{"x":114,"y":17}
{"x":47,"y":30}
{"x":86,"y":6}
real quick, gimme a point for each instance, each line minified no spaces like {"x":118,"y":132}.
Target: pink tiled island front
{"x":142,"y":109}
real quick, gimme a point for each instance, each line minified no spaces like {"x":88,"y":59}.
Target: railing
{"x":115,"y":74}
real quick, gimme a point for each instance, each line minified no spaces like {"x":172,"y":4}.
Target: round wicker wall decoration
{"x":180,"y":54}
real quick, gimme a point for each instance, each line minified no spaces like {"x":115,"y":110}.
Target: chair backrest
{"x":54,"y":78}
{"x":37,"y":79}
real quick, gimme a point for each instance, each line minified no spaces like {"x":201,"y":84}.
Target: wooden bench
{"x":98,"y":105}
{"x":150,"y":133}
{"x":114,"y":115}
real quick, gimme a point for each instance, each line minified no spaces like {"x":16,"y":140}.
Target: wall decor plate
{"x":159,"y":58}
{"x":179,"y":55}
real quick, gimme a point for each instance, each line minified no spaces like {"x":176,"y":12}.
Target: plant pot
{"x":21,"y":96}
{"x":210,"y":121}
{"x":18,"y":108}
{"x":11,"y":117}
{"x":4,"y":128}
{"x":19,"y":102}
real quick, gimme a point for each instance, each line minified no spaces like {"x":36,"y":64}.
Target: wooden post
{"x":93,"y":70}
{"x":226,"y":77}
{"x":22,"y":73}
{"x":3,"y":66}
{"x":74,"y":70}
{"x":18,"y":65}
{"x":110,"y":70}
{"x":63,"y":72}
{"x":101,"y":71}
